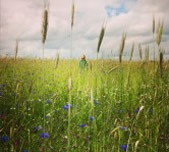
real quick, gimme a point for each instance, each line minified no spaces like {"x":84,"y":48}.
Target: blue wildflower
{"x":124,"y":147}
{"x":4,"y":139}
{"x":48,"y":101}
{"x":96,"y":102}
{"x":138,"y":109}
{"x":82,"y":125}
{"x":91,"y":118}
{"x":67,"y":106}
{"x":123,"y":128}
{"x":44,"y":135}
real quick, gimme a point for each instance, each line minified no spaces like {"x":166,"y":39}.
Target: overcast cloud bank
{"x":22,"y":19}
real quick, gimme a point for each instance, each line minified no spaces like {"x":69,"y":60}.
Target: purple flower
{"x":44,"y":135}
{"x":4,"y":138}
{"x":138,"y":109}
{"x":82,"y":125}
{"x":123,"y":128}
{"x":48,"y":101}
{"x":96,"y":102}
{"x":124,"y":147}
{"x":67,"y":106}
{"x":91,"y":118}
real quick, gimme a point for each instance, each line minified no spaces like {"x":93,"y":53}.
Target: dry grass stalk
{"x":159,"y":32}
{"x":44,"y":25}
{"x":122,"y":44}
{"x":16,"y":49}
{"x":140,"y":51}
{"x":153,"y":25}
{"x":132,"y":50}
{"x":136,"y":145}
{"x":72,"y":15}
{"x":69,"y":84}
{"x":114,"y":68}
{"x":147,"y":54}
{"x":100,"y":38}
{"x":57,"y":60}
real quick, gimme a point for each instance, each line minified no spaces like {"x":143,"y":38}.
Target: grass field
{"x":110,"y":107}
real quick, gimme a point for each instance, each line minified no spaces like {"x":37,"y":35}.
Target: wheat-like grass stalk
{"x":132,"y":50}
{"x":147,"y":53}
{"x":140,"y":51}
{"x":44,"y":25}
{"x":69,"y":84}
{"x":16,"y":49}
{"x":72,"y":15}
{"x":159,"y":32}
{"x":132,"y":126}
{"x":122,"y":44}
{"x":153,"y":30}
{"x":101,"y":36}
{"x":153,"y":25}
{"x":57,"y":60}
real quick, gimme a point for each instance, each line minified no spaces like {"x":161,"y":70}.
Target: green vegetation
{"x":99,"y":110}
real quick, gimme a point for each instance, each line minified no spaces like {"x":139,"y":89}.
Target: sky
{"x":22,"y":20}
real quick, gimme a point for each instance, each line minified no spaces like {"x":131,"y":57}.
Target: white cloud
{"x":22,"y":19}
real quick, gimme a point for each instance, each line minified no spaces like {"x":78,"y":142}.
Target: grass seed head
{"x":147,"y":54}
{"x":153,"y":25}
{"x":100,"y":38}
{"x":72,"y":15}
{"x":44,"y":25}
{"x":132,"y":50}
{"x":16,"y":49}
{"x":140,"y":51}
{"x":69,"y":84}
{"x":57,"y":60}
{"x":122,"y":44}
{"x":159,"y":32}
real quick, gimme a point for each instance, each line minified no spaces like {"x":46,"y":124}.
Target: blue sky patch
{"x":110,"y":10}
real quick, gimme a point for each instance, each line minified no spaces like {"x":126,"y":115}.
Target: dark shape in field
{"x":4,"y":138}
{"x":83,"y":63}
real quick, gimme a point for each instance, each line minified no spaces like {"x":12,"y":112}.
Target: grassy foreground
{"x":108,"y":108}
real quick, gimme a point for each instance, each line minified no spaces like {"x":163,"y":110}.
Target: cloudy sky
{"x":21,"y":19}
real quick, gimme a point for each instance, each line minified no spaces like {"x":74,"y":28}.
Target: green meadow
{"x":109,"y":107}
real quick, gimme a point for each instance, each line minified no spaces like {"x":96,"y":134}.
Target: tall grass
{"x":122,"y":44}
{"x":16,"y":49}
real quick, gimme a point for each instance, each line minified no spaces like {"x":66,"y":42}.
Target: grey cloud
{"x":23,"y":19}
